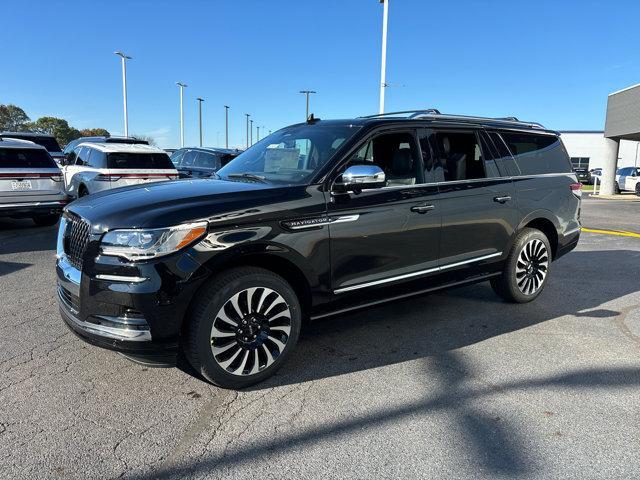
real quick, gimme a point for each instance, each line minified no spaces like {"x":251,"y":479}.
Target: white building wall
{"x":592,"y":146}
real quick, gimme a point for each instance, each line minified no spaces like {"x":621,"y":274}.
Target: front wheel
{"x":616,"y":188}
{"x":638,"y":189}
{"x":526,"y":270}
{"x":243,"y":327}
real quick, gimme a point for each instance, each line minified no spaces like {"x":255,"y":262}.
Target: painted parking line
{"x":619,"y":233}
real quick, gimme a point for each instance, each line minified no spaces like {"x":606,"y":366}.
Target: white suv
{"x":94,"y":167}
{"x":30,"y":182}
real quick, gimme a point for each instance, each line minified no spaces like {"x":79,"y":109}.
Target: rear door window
{"x":537,"y":153}
{"x":207,"y":160}
{"x":459,"y":156}
{"x":25,"y":158}
{"x":151,"y":161}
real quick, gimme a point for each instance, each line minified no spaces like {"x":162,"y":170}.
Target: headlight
{"x":142,"y":244}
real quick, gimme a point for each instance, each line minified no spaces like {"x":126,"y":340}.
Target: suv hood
{"x":169,"y":203}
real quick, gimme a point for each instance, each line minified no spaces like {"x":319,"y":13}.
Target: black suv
{"x":314,"y":220}
{"x":198,"y":162}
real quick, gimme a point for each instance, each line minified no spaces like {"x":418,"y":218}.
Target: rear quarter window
{"x":25,"y":158}
{"x":537,"y":153}
{"x":151,"y":161}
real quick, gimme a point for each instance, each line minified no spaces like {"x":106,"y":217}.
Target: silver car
{"x":31,"y":184}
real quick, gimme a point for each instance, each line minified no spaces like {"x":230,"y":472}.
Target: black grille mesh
{"x":76,"y":239}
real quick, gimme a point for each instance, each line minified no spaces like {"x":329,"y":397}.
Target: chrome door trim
{"x":415,"y":274}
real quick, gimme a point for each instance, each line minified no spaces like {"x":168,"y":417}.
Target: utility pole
{"x":182,"y":86}
{"x":383,"y":66}
{"x":124,"y":59}
{"x":200,"y":100}
{"x":251,"y":131}
{"x":307,"y":93}
{"x":258,"y":134}
{"x":247,"y":115}
{"x":226,"y":126}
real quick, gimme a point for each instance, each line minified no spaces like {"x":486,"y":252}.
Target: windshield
{"x":50,"y":143}
{"x":289,"y":156}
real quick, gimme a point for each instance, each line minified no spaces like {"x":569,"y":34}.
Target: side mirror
{"x":64,"y":161}
{"x":359,"y":177}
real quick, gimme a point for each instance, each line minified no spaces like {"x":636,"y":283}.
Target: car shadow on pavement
{"x":21,"y":236}
{"x":432,"y":328}
{"x":9,"y":267}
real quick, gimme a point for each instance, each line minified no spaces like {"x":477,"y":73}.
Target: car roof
{"x":433,"y":116}
{"x":213,"y":150}
{"x":25,"y":134}
{"x":8,"y":142}
{"x":122,"y":147}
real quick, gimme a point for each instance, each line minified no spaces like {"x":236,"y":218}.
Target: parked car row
{"x":201,"y":162}
{"x":628,"y":180}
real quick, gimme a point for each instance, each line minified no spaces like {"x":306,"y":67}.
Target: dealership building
{"x":588,"y":149}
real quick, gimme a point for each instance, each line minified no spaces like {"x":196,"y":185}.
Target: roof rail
{"x":414,"y":113}
{"x":435,"y":113}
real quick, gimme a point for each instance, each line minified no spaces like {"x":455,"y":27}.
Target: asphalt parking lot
{"x":455,"y":384}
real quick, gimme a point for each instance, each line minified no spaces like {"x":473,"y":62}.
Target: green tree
{"x":94,"y":132}
{"x":57,"y":127}
{"x":12,"y":118}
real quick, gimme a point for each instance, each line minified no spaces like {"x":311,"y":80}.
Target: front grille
{"x":76,"y":239}
{"x":71,"y":301}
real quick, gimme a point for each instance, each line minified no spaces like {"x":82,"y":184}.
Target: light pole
{"x":307,"y":93}
{"x":258,"y":134}
{"x":200,"y":100}
{"x":182,"y":86}
{"x":251,"y":131}
{"x":226,"y":126}
{"x":383,"y":66}
{"x":124,"y":59}
{"x":247,"y":115}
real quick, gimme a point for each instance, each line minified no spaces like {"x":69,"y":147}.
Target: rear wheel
{"x":616,"y":188}
{"x":526,"y":270}
{"x":243,"y":327}
{"x":46,"y":220}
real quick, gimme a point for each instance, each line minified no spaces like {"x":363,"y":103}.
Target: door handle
{"x":504,"y":199}
{"x":422,"y":208}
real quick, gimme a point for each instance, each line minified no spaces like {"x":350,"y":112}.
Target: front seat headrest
{"x":402,"y":162}
{"x":446,"y":146}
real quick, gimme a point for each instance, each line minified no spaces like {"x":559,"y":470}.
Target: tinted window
{"x":176,"y":158}
{"x":50,"y":143}
{"x":139,"y":160}
{"x":98,"y":159}
{"x":25,"y":158}
{"x":503,"y":158}
{"x":189,"y":158}
{"x":459,"y":155}
{"x":207,"y":160}
{"x":536,"y":153}
{"x":490,"y":167}
{"x":83,"y":156}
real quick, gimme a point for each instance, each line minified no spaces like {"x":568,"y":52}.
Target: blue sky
{"x":548,"y":61}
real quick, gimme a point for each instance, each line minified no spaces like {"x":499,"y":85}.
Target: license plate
{"x":21,"y":185}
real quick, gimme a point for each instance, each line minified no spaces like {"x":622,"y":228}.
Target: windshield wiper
{"x":248,"y":176}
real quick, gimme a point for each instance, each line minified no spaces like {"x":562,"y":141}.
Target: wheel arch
{"x":547,"y":224}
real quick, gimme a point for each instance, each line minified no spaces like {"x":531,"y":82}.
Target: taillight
{"x":576,"y":189}
{"x":105,"y":177}
{"x":56,"y":178}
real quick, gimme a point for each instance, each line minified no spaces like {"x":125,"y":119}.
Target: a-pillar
{"x":610,"y":166}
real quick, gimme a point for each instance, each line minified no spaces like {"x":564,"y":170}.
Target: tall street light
{"x":124,"y":59}
{"x":226,"y":126}
{"x":251,"y":131}
{"x":258,"y":134}
{"x":200,"y":100}
{"x":247,"y":115}
{"x":383,"y":66}
{"x":182,"y":86}
{"x":307,"y":93}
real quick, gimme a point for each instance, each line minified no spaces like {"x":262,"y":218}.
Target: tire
{"x":46,"y":220}
{"x":526,"y":269}
{"x":616,"y":188}
{"x":220,"y":319}
{"x":638,"y":189}
{"x":82,"y":191}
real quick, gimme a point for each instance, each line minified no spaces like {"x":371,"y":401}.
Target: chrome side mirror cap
{"x":359,"y":177}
